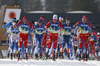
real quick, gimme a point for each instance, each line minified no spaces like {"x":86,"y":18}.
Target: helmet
{"x":55,"y":16}
{"x":84,"y":17}
{"x":60,"y":18}
{"x":36,"y":23}
{"x":42,"y":18}
{"x":98,"y":33}
{"x":24,"y":18}
{"x":14,"y":20}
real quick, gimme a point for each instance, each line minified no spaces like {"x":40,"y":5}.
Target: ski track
{"x":58,"y":62}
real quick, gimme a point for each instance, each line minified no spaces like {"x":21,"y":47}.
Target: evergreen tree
{"x":57,"y":5}
{"x":34,"y":5}
{"x":84,"y":5}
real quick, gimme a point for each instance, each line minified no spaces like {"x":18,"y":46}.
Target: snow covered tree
{"x":84,"y":5}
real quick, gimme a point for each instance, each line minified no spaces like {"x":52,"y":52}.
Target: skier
{"x":14,"y":39}
{"x":54,"y":27}
{"x":33,"y":36}
{"x":9,"y":36}
{"x":60,"y":40}
{"x":67,"y":31}
{"x":24,"y":26}
{"x":92,"y":42}
{"x":84,"y":33}
{"x":29,"y":45}
{"x":44,"y":36}
{"x":8,"y":33}
{"x":39,"y":37}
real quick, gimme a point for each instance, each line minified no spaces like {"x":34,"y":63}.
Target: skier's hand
{"x":60,"y":34}
{"x":32,"y":22}
{"x":4,"y":23}
{"x":99,"y":45}
{"x":15,"y":26}
{"x":61,"y":29}
{"x":46,"y":27}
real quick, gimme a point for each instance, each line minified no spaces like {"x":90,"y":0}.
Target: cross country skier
{"x":67,"y":31}
{"x":92,"y":42}
{"x":30,"y":45}
{"x":33,"y":36}
{"x":44,"y":36}
{"x":54,"y":30}
{"x":8,"y":29}
{"x":39,"y":29}
{"x":84,"y":33}
{"x":24,"y":26}
{"x":14,"y":39}
{"x":59,"y":52}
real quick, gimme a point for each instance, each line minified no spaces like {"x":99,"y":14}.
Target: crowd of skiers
{"x":52,"y":40}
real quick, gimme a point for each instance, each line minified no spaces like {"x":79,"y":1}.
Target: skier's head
{"x":84,"y":18}
{"x":36,"y":23}
{"x":61,"y":19}
{"x":55,"y":17}
{"x":67,"y":20}
{"x":14,"y":21}
{"x":42,"y":18}
{"x":98,"y":33}
{"x":40,"y":22}
{"x":24,"y":19}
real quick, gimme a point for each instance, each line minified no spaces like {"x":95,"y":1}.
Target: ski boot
{"x":54,"y":59}
{"x":31,"y":55}
{"x":56,"y":55}
{"x":79,"y":57}
{"x":40,"y":55}
{"x":26,"y":56}
{"x":62,"y":56}
{"x":86,"y":59}
{"x":8,"y":55}
{"x":18,"y":56}
{"x":46,"y":56}
{"x":36,"y":56}
{"x":11,"y":56}
{"x":68,"y":56}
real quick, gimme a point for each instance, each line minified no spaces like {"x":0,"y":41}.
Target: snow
{"x":79,"y":12}
{"x":40,"y":12}
{"x":58,"y":62}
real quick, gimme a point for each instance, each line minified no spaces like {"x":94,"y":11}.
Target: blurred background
{"x":74,"y":9}
{"x":33,"y":9}
{"x":56,"y":6}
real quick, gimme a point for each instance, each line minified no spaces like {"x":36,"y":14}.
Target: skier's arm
{"x":77,"y":24}
{"x":72,"y":29}
{"x":48,"y":24}
{"x":9,"y":24}
{"x":94,"y":33}
{"x":91,"y":25}
{"x":90,"y":30}
{"x":19,"y":23}
{"x":75,"y":31}
{"x":30,"y":24}
{"x":31,"y":31}
{"x":60,"y":25}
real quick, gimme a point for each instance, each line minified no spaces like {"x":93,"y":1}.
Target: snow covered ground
{"x":58,"y":62}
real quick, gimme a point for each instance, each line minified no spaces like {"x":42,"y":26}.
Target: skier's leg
{"x":80,"y":46}
{"x":93,"y":48}
{"x":40,"y":50}
{"x":86,"y":40}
